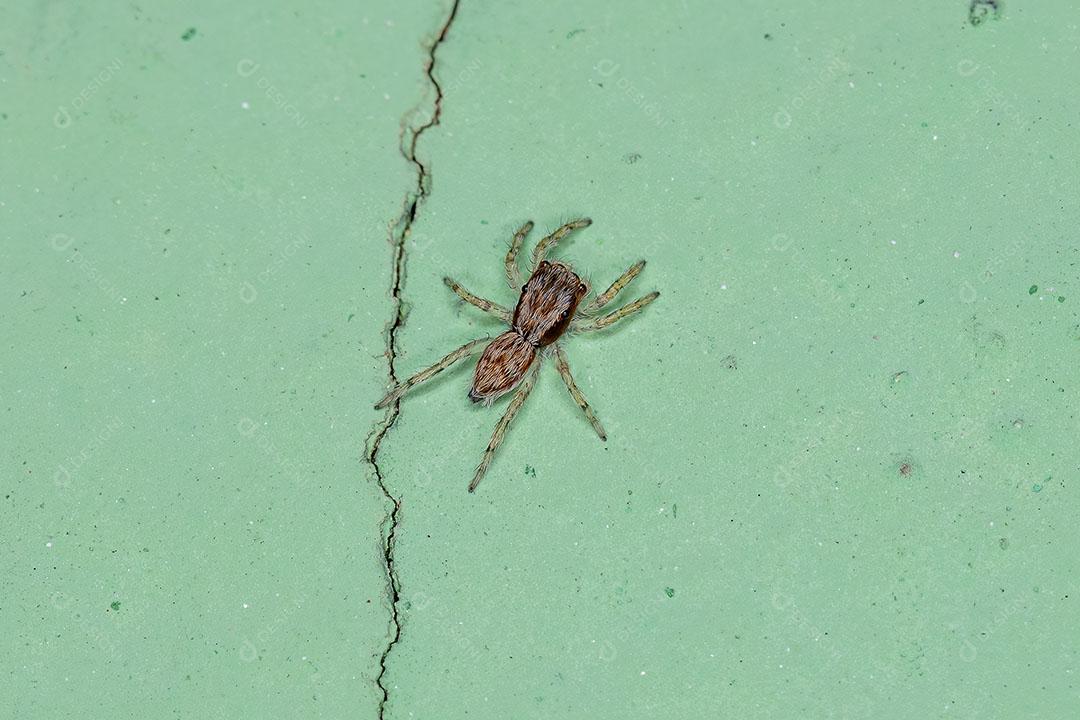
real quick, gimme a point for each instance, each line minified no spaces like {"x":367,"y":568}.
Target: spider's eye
{"x":582,"y":288}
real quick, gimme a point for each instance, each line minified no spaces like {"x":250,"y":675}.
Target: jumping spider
{"x":547,"y":307}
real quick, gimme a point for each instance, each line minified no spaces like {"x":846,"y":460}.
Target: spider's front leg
{"x":542,"y":247}
{"x":513,"y":272}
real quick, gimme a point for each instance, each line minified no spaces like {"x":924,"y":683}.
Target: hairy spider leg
{"x":613,"y":317}
{"x":513,"y":272}
{"x":542,"y":247}
{"x":486,"y":305}
{"x":608,"y":295}
{"x":424,"y":375}
{"x":504,"y":423}
{"x":564,"y":371}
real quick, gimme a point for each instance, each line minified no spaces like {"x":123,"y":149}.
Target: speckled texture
{"x":845,"y":218}
{"x":839,"y":480}
{"x":194,"y":277}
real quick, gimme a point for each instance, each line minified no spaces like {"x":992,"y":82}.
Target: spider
{"x":549,"y":306}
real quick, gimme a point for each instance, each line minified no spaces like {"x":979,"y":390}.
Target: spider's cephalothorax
{"x":543,"y":313}
{"x":547,"y":307}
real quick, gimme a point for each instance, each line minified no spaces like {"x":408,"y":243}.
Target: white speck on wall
{"x":48,"y":544}
{"x":245,"y":105}
{"x":643,"y":673}
{"x":246,"y":606}
{"x":956,"y":253}
{"x":386,"y":96}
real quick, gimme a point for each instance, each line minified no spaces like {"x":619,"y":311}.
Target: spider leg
{"x":486,"y":305}
{"x":542,"y":247}
{"x":504,"y":422}
{"x":608,"y":295}
{"x":425,"y":375}
{"x":564,"y":370}
{"x":513,"y":272}
{"x":613,"y":317}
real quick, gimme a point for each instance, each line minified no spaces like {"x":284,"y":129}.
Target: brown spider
{"x":546,"y":309}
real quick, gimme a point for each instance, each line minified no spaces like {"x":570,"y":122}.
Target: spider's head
{"x":548,"y":302}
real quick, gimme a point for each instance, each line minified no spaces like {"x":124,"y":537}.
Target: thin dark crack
{"x":399,"y":233}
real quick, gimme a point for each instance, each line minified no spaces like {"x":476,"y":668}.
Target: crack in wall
{"x":398,"y":235}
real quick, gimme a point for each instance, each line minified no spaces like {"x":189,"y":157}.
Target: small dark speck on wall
{"x":981,"y":10}
{"x":188,"y":34}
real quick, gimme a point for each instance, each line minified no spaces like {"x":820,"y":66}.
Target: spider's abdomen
{"x":502,"y":366}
